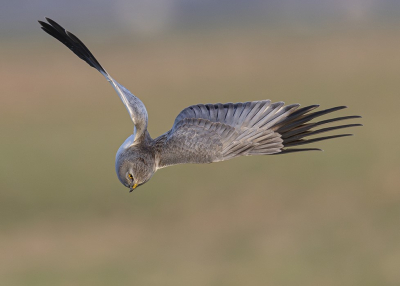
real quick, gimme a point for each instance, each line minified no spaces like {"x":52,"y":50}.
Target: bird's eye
{"x":130,"y":176}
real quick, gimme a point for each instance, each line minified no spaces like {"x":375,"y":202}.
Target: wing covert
{"x":206,"y":133}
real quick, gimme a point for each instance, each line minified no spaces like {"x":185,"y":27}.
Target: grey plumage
{"x":206,"y":133}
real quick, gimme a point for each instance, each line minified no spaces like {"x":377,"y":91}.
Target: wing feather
{"x":218,"y":132}
{"x":221,"y":112}
{"x":259,"y":113}
{"x":134,"y":105}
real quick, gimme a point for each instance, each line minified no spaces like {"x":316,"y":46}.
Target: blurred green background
{"x":317,"y":218}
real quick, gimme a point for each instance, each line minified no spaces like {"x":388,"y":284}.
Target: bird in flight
{"x":206,"y":133}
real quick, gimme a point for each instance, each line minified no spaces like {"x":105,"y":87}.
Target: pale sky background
{"x":151,"y":17}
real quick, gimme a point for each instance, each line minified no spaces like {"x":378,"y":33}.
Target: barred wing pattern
{"x":217,"y":132}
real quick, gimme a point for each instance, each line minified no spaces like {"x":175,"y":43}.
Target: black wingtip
{"x":296,"y":150}
{"x":70,"y":41}
{"x":297,"y":129}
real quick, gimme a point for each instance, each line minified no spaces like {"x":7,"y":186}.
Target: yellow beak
{"x":133,"y":187}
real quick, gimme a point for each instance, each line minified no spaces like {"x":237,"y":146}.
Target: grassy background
{"x":315,"y":218}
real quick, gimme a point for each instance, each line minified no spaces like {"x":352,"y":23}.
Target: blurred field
{"x":323,"y":218}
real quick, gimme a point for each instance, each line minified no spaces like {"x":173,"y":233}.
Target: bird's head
{"x":134,"y":165}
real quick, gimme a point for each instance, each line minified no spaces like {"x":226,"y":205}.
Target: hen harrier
{"x":205,"y":133}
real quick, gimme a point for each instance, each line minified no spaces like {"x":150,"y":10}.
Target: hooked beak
{"x":132,"y":188}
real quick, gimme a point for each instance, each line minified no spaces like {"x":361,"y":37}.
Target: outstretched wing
{"x":134,"y":105}
{"x":216,"y":132}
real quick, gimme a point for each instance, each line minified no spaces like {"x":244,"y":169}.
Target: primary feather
{"x":224,"y":131}
{"x":134,"y":105}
